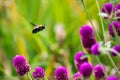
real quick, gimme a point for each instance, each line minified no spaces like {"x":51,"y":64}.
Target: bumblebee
{"x":37,"y":28}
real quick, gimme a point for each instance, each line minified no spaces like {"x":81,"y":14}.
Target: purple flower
{"x":116,"y":26}
{"x":117,"y":11}
{"x":79,"y":59}
{"x":77,"y":76}
{"x":95,"y":49}
{"x":61,"y":73}
{"x":20,"y":64}
{"x":87,"y":37}
{"x":85,"y":69}
{"x":111,"y":77}
{"x":99,"y":71}
{"x":116,"y":48}
{"x":38,"y":73}
{"x":107,"y":8}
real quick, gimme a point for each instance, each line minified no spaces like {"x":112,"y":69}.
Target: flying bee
{"x":37,"y":28}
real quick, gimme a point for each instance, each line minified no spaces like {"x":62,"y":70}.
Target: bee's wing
{"x":33,"y":24}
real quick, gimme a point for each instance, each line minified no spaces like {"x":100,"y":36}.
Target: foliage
{"x":43,"y":48}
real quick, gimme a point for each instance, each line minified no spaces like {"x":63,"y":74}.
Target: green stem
{"x":113,"y":63}
{"x":84,"y":78}
{"x":98,"y":60}
{"x":90,"y":19}
{"x":101,"y":20}
{"x":92,"y":77}
{"x":109,"y":50}
{"x":28,"y":75}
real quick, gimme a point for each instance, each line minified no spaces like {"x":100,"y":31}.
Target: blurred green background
{"x":54,"y":46}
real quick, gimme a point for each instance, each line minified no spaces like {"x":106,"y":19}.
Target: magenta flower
{"x":85,"y":69}
{"x":112,"y":77}
{"x":87,"y":37}
{"x":77,"y":76}
{"x":20,"y":64}
{"x":117,"y":11}
{"x":61,"y":73}
{"x":95,"y":49}
{"x":99,"y":71}
{"x":79,"y":59}
{"x":116,"y":48}
{"x":38,"y":73}
{"x":115,"y":25}
{"x":107,"y":8}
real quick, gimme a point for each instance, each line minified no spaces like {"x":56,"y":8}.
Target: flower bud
{"x":20,"y":64}
{"x":117,"y":11}
{"x":38,"y":73}
{"x":107,"y":8}
{"x":99,"y":71}
{"x":77,"y":76}
{"x":60,"y":33}
{"x":111,"y":77}
{"x":87,"y":37}
{"x":95,"y":49}
{"x":115,"y":48}
{"x":86,"y":69}
{"x":114,"y":25}
{"x":61,"y":73}
{"x":79,"y":59}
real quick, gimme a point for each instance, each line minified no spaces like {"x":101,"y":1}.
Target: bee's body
{"x":37,"y":28}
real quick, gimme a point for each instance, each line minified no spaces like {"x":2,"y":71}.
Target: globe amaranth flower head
{"x":114,"y":25}
{"x":95,"y":49}
{"x":20,"y":64}
{"x":86,"y":69}
{"x":117,"y":11}
{"x":111,"y":77}
{"x":87,"y":37}
{"x":61,"y":73}
{"x":115,"y":48}
{"x":99,"y":71}
{"x":38,"y":73}
{"x":107,"y":8}
{"x":79,"y":59}
{"x":77,"y":76}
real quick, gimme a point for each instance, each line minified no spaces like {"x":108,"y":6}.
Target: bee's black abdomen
{"x":37,"y":29}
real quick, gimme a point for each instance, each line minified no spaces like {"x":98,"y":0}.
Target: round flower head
{"x":99,"y":71}
{"x":77,"y":76}
{"x":115,"y":48}
{"x":87,"y":37}
{"x":20,"y":64}
{"x":85,"y":69}
{"x":95,"y":49}
{"x":117,"y":11}
{"x":61,"y":73}
{"x":107,"y":8}
{"x":38,"y":73}
{"x":115,"y":25}
{"x":79,"y":59}
{"x":111,"y":77}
